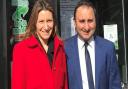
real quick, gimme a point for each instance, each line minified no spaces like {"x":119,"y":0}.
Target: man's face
{"x":85,"y":22}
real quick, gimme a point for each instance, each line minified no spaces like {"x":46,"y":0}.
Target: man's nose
{"x":86,"y":25}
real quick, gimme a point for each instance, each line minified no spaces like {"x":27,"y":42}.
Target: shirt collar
{"x":82,"y":42}
{"x":91,"y":42}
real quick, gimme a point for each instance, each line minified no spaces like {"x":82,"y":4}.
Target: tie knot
{"x":86,"y":44}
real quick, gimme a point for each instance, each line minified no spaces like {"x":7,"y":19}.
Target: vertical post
{"x":125,"y":50}
{"x":3,"y":46}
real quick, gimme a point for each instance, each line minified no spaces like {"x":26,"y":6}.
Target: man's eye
{"x":81,"y":21}
{"x":90,"y":20}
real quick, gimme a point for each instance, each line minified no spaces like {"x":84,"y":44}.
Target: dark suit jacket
{"x":106,"y":68}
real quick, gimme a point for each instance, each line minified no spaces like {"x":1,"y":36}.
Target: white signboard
{"x":111,"y":33}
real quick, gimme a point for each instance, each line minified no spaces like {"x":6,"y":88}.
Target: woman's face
{"x":44,"y":25}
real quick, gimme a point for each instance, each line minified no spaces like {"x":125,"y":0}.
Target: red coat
{"x":31,"y":68}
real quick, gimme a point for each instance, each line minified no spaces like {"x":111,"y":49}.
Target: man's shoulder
{"x":103,"y":42}
{"x":70,"y":40}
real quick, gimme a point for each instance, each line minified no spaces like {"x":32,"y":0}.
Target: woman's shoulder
{"x":58,"y":39}
{"x":30,"y":41}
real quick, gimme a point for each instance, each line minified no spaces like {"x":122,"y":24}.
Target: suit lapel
{"x":76,"y":64}
{"x":98,"y":60}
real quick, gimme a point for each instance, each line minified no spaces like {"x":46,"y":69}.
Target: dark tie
{"x":89,"y":68}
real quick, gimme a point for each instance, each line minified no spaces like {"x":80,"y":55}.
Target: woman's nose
{"x":46,"y":26}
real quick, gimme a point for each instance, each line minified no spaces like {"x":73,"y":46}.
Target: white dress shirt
{"x":91,"y":49}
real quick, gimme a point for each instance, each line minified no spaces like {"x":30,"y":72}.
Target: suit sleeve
{"x":114,"y":78}
{"x":18,"y":70}
{"x":65,"y":69}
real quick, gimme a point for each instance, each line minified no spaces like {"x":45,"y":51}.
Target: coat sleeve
{"x":18,"y":70}
{"x":114,"y":78}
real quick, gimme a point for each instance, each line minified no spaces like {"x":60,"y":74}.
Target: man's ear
{"x":74,"y":21}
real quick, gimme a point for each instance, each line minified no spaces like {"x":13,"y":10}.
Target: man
{"x":103,"y":69}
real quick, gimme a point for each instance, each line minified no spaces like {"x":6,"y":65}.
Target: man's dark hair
{"x":84,"y":3}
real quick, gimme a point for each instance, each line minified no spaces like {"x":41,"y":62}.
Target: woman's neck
{"x":44,"y":43}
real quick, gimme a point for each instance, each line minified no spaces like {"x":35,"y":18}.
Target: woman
{"x":39,"y":61}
